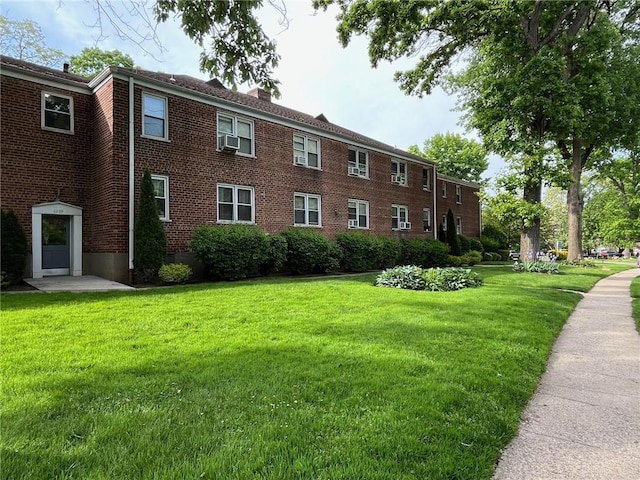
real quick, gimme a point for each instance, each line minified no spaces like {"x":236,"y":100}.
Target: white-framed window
{"x":399,"y":216}
{"x":306,"y":151}
{"x":444,"y":189}
{"x":154,"y":116}
{"x":426,"y":219}
{"x":459,"y":226}
{"x":307,"y":210}
{"x":238,"y":127}
{"x":358,"y":163}
{"x":458,"y":194}
{"x":161,"y":192}
{"x":444,"y":223}
{"x":57,"y":112}
{"x":426,"y":178}
{"x":236,"y":204}
{"x":358,"y":214}
{"x":399,"y":172}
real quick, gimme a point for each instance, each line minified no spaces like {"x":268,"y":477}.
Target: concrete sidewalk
{"x":584,"y":420}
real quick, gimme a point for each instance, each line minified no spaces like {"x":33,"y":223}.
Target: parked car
{"x":607,"y":253}
{"x":513,"y":255}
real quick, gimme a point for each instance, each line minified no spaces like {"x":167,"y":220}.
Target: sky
{"x":316,"y":74}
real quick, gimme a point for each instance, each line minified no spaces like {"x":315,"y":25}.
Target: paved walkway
{"x":584,"y":420}
{"x":85,"y":283}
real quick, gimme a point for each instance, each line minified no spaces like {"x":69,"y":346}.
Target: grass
{"x":635,"y":294}
{"x":276,"y":379}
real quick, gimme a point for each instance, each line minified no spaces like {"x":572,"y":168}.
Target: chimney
{"x":260,"y":94}
{"x":65,"y":67}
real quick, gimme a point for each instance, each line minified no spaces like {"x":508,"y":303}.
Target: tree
{"x":150,"y":245}
{"x":14,"y":248}
{"x":452,"y":236}
{"x":92,"y":61}
{"x":24,"y":40}
{"x":455,"y":156}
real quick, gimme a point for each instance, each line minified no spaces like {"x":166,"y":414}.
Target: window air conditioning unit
{"x":353,"y":223}
{"x":399,"y":179}
{"x":354,"y":171}
{"x":228,"y":143}
{"x":405,"y":225}
{"x":300,"y":160}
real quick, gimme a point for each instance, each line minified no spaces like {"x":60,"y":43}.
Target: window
{"x":358,"y":214}
{"x":426,"y":219}
{"x":57,"y":112}
{"x":306,"y":151}
{"x":398,"y":172}
{"x":161,"y":191}
{"x":358,"y":163}
{"x":399,"y":216}
{"x":426,"y":178}
{"x":306,"y":209}
{"x":154,"y":119}
{"x":458,"y":194}
{"x":444,"y":189}
{"x":444,"y":223}
{"x":459,"y":226}
{"x":237,"y":127}
{"x":235,"y":204}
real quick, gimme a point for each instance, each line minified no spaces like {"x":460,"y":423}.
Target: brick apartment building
{"x":73,"y":152}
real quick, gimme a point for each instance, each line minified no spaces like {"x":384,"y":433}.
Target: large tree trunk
{"x":530,"y":235}
{"x":575,"y":203}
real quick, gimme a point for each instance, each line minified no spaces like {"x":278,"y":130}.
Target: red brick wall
{"x":468,"y":209}
{"x":38,"y":163}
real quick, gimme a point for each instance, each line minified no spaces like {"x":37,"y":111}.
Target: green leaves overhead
{"x":92,"y":61}
{"x":234,"y":46}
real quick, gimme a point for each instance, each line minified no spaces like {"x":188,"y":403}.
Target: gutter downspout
{"x":131,"y":178}
{"x":435,"y":205}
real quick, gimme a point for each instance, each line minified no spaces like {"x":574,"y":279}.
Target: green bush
{"x":13,"y":255}
{"x":388,"y":251}
{"x":150,"y":241}
{"x":473,"y":257}
{"x":408,"y":277}
{"x":276,"y":255}
{"x":489,"y":244}
{"x":475,"y":245}
{"x":175,"y":273}
{"x":504,"y":254}
{"x":359,"y":251}
{"x":585,"y":263}
{"x":309,"y":251}
{"x":423,"y":252}
{"x":450,"y":279}
{"x":495,"y":234}
{"x":230,"y":252}
{"x":465,"y":244}
{"x":537,"y":267}
{"x":456,"y":260}
{"x":452,"y":236}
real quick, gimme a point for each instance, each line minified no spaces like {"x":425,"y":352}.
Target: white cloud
{"x":317,"y":75}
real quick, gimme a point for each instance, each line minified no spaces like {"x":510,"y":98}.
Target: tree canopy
{"x":92,"y":61}
{"x":455,"y":156}
{"x":23,"y":39}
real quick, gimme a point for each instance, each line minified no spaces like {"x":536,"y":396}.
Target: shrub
{"x":495,"y":234}
{"x":309,"y":251}
{"x":359,"y":251}
{"x":388,"y":251}
{"x":475,"y":245}
{"x":150,"y":245}
{"x":465,"y":246}
{"x":423,"y":252}
{"x":408,"y":277}
{"x":489,"y":244}
{"x":175,"y":273}
{"x":450,"y":279}
{"x":456,"y":260}
{"x":230,"y":252}
{"x":452,"y":235}
{"x":276,"y":255}
{"x":504,"y":254}
{"x":536,"y":267}
{"x":558,"y":254}
{"x":585,"y":263}
{"x":473,"y":257}
{"x":14,"y":247}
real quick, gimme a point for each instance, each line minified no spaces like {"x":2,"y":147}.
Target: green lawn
{"x":276,"y":379}
{"x":635,"y":293}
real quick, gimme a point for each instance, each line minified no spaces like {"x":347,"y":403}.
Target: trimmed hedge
{"x":14,"y":248}
{"x":276,"y":255}
{"x":359,"y":251}
{"x":230,"y":252}
{"x":426,"y":253}
{"x":175,"y":273}
{"x":389,"y":251}
{"x":309,"y":251}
